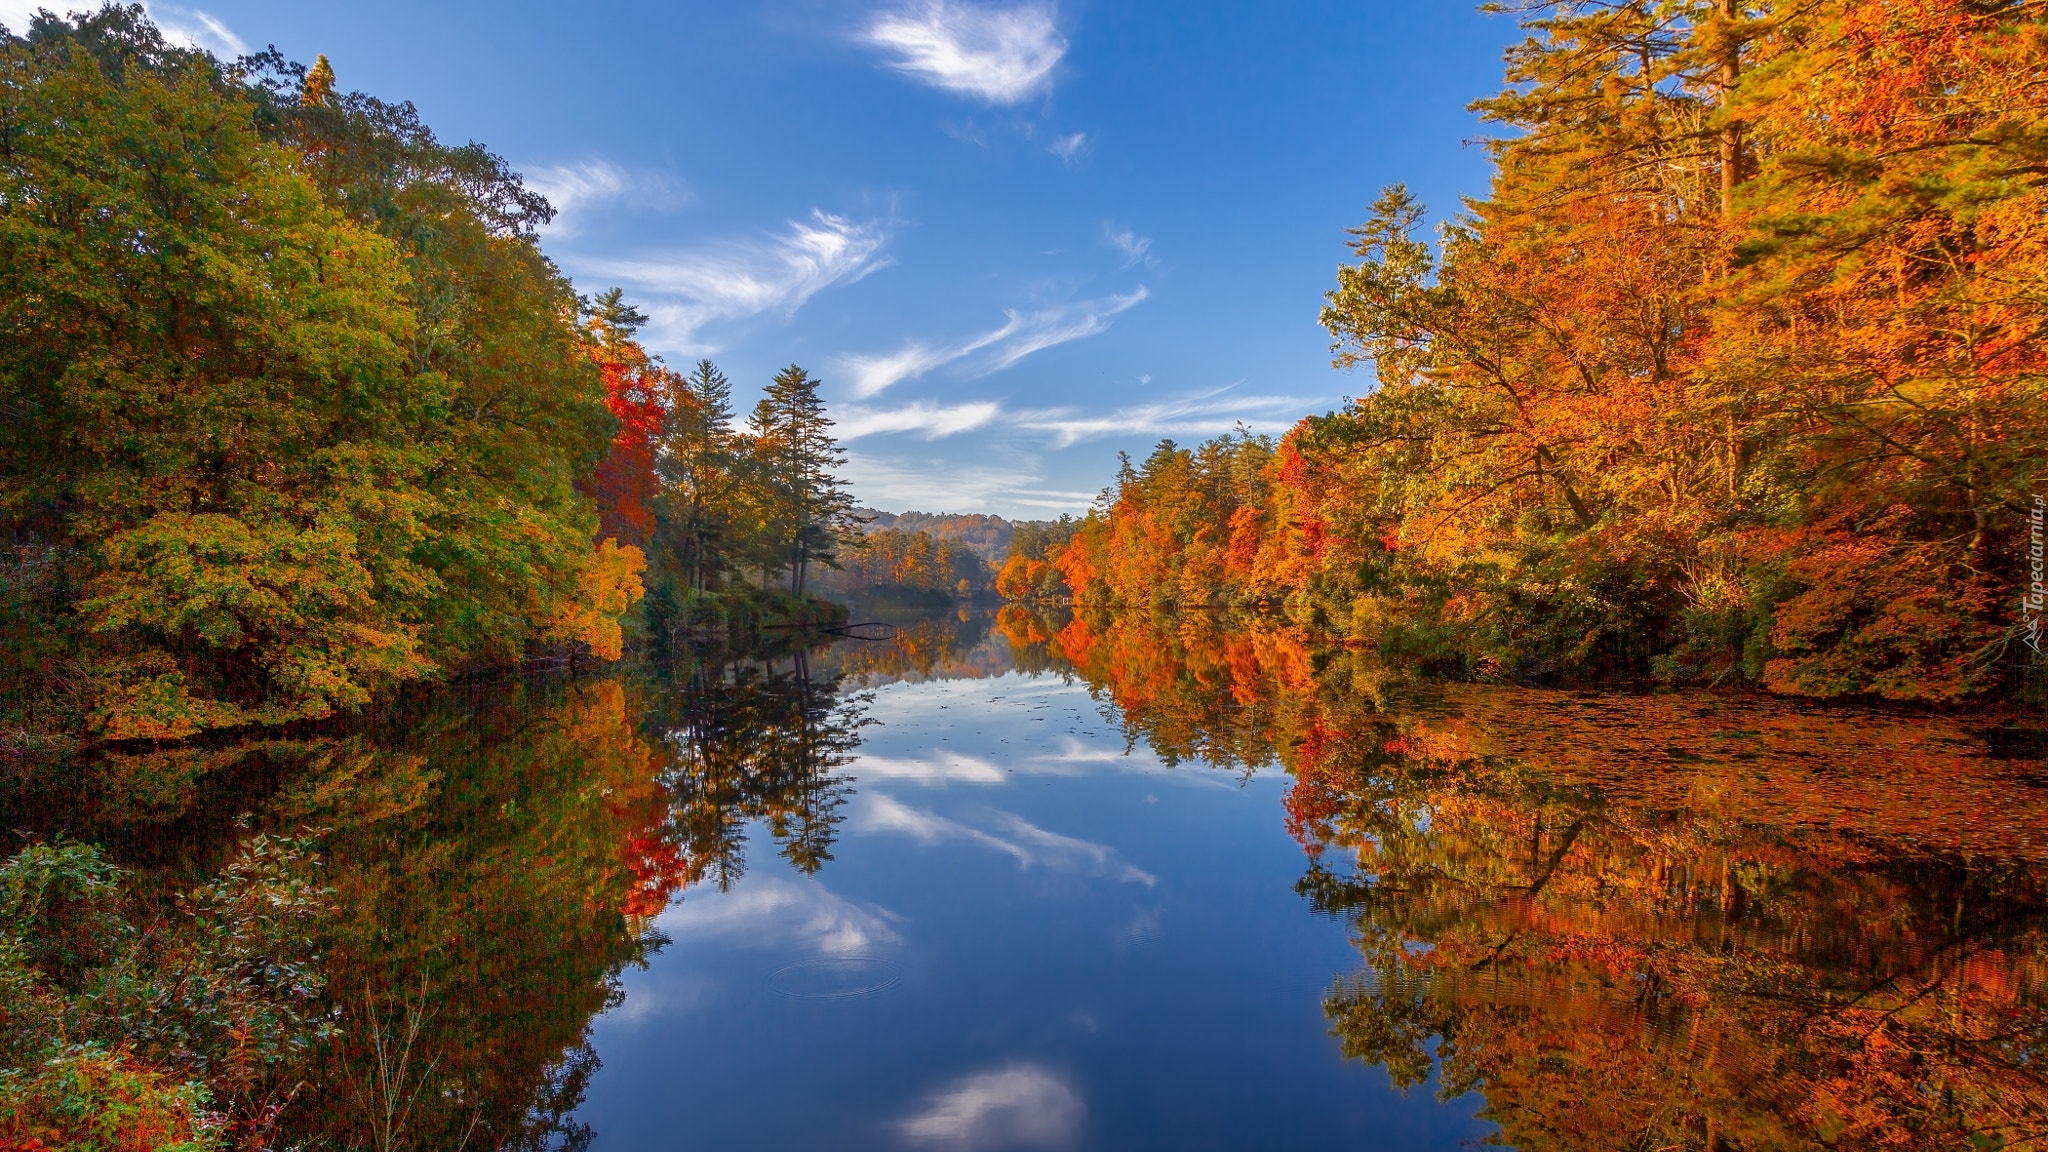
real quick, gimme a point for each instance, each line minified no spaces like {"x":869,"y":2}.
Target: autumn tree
{"x":637,"y":389}
{"x":1734,"y":374}
{"x":291,"y":423}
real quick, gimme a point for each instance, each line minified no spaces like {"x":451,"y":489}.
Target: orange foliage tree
{"x":638,"y":390}
{"x":1736,"y":374}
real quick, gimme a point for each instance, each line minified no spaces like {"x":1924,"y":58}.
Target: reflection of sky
{"x":1096,"y":952}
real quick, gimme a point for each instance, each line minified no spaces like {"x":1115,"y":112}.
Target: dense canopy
{"x":1736,"y":374}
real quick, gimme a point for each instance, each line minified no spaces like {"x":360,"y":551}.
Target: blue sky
{"x":1012,"y":238}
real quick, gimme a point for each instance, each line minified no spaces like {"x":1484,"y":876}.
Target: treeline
{"x":297,"y":411}
{"x":988,"y":536}
{"x":1736,"y":375}
{"x":895,"y":560}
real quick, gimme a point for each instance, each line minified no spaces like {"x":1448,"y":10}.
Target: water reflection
{"x":1694,"y":961}
{"x":494,"y":859}
{"x":1668,"y":921}
{"x":487,"y":886}
{"x":752,"y":740}
{"x":1600,"y":919}
{"x":892,"y":647}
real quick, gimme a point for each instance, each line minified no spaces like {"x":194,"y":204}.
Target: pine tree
{"x":808,"y":509}
{"x":701,"y":473}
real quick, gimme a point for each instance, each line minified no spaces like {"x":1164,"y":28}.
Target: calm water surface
{"x":1028,"y":935}
{"x":1018,"y":881}
{"x":1160,"y":888}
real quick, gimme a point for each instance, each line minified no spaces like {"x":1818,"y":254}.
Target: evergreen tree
{"x":807,"y":509}
{"x":701,"y":471}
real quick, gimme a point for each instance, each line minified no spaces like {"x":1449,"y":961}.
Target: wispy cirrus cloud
{"x":184,"y":27}
{"x":1019,"y":1106}
{"x":194,"y":28}
{"x":1001,"y":55}
{"x":1027,"y":843}
{"x":1052,"y":498}
{"x":933,"y":420}
{"x":1043,"y":329}
{"x":1069,"y":146}
{"x":1135,"y":249}
{"x":1208,"y":413}
{"x":574,"y":188}
{"x":1021,"y":334}
{"x":737,"y":279}
{"x":873,"y":374}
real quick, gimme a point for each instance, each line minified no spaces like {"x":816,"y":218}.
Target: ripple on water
{"x":834,"y":978}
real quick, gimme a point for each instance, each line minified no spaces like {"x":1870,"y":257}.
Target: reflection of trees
{"x":1670,"y":921}
{"x":1028,"y":632}
{"x":756,"y":741}
{"x":485,"y":871}
{"x":1614,"y":974}
{"x":918,"y":646}
{"x":495,"y":859}
{"x":1190,"y":690}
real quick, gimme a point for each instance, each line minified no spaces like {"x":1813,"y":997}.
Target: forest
{"x":389,"y":637}
{"x":1735,"y":376}
{"x":307,"y":416}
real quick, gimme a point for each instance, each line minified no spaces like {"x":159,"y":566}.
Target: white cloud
{"x":1204,"y":414}
{"x":1025,"y":842}
{"x":1055,"y":501}
{"x":934,"y":420}
{"x":944,"y":768}
{"x":738,"y":279}
{"x":966,"y":132}
{"x":1021,"y":1106}
{"x":193,"y":28}
{"x":1003,"y":56}
{"x":572,"y":188}
{"x":1069,"y":146}
{"x":1037,"y":331}
{"x":1135,"y":249}
{"x":184,"y":27}
{"x":1021,"y":334}
{"x":872,"y":374}
{"x":774,"y":912}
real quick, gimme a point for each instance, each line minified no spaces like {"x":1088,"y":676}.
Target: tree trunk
{"x":1731,"y":133}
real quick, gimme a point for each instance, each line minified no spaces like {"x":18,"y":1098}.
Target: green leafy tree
{"x":297,"y":409}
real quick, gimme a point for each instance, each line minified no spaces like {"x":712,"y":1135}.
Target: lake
{"x":982,"y":881}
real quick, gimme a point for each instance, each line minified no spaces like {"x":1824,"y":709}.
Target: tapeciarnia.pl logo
{"x":2037,"y":587}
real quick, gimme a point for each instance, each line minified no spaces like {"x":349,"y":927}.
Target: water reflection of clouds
{"x":779,"y":912}
{"x":1030,"y":845}
{"x":1142,"y":929}
{"x":1071,"y":755}
{"x":1021,"y":1106}
{"x":941,"y":768}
